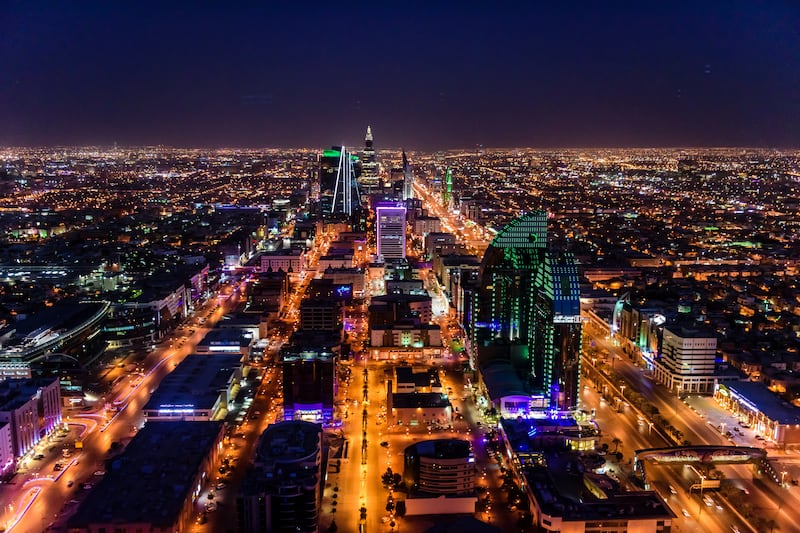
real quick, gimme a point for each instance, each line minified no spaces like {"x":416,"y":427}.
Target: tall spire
{"x":369,"y":134}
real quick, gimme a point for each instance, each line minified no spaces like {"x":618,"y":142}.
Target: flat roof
{"x":289,"y":441}
{"x":406,"y":400}
{"x":152,"y":479}
{"x":230,"y":336}
{"x":441,"y":448}
{"x":14,"y":393}
{"x":562,"y":492}
{"x":502,"y":380}
{"x":196,"y":381}
{"x":764,"y":400}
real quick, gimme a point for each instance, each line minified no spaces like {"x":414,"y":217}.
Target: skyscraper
{"x":338,"y":181}
{"x":447,"y":188}
{"x":529,"y":311}
{"x":408,"y":179}
{"x":369,"y":175}
{"x":390,"y":224}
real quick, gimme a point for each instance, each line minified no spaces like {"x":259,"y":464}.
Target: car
{"x":220,"y":486}
{"x":87,"y":486}
{"x":672,"y":490}
{"x":685,"y":513}
{"x":38,"y":457}
{"x":99,"y":472}
{"x":211,"y":506}
{"x":385,"y":444}
{"x":70,"y":483}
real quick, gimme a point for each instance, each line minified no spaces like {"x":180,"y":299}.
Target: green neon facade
{"x":529,"y":300}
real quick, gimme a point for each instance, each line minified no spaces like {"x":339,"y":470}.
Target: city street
{"x":112,"y":420}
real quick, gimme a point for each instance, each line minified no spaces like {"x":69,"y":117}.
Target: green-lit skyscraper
{"x":528,"y":311}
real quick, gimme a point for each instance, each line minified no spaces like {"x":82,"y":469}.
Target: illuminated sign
{"x":567,"y":319}
{"x":175,"y":409}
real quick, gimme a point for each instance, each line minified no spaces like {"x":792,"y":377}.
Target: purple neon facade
{"x":390,"y":223}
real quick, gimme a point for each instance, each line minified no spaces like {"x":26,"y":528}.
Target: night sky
{"x":424,"y":75}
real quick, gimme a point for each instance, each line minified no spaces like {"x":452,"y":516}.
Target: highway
{"x":764,"y":496}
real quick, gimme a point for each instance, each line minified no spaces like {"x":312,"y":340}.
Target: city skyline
{"x":424,"y":77}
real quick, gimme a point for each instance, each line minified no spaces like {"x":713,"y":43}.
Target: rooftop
{"x":406,"y":400}
{"x":764,"y":400}
{"x":151,"y":480}
{"x":197,"y":381}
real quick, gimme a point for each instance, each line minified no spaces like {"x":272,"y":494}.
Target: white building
{"x":686,"y":364}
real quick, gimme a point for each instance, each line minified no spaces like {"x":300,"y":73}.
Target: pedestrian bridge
{"x":705,"y":456}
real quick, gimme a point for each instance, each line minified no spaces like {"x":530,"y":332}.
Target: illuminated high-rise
{"x":528,"y":311}
{"x":390,"y":227}
{"x":338,"y":181}
{"x":369,"y":165}
{"x":408,"y":179}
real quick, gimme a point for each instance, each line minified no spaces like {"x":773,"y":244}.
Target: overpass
{"x":704,"y":455}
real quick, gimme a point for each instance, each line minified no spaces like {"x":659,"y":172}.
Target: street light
{"x":783,"y":476}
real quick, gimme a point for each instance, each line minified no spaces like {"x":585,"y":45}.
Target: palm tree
{"x":616,"y":441}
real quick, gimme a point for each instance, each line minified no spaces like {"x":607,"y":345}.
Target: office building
{"x":281,"y":494}
{"x":563,"y":499}
{"x":687,"y":360}
{"x":440,"y":474}
{"x":370,"y":175}
{"x":390,"y":224}
{"x":32,"y":407}
{"x":529,"y":306}
{"x":308,"y":362}
{"x":408,"y":179}
{"x":339,"y":171}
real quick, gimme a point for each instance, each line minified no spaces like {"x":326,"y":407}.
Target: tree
{"x":388,"y":476}
{"x":616,"y":441}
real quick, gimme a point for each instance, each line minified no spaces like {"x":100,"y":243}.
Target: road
{"x":113,"y":421}
{"x":690,"y":416}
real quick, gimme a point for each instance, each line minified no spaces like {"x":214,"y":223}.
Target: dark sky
{"x":425,"y":75}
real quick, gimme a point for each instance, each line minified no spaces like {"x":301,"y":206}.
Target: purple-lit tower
{"x":390,"y":227}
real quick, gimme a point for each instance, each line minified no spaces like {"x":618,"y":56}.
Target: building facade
{"x":390,"y":224}
{"x":687,"y":361}
{"x":32,"y":408}
{"x":529,"y":297}
{"x":281,"y":494}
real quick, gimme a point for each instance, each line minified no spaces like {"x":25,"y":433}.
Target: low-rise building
{"x":227,"y":341}
{"x":755,"y":405}
{"x":405,"y":340}
{"x":565,"y":498}
{"x":154,"y":484}
{"x":32,"y":407}
{"x":418,"y":410}
{"x":199,"y":389}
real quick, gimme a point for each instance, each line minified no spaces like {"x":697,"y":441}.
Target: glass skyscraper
{"x":528,"y":311}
